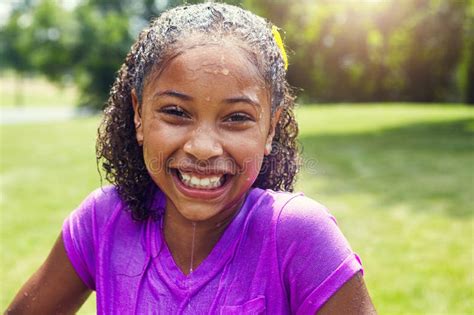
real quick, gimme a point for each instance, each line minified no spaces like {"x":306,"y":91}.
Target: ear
{"x":137,"y":118}
{"x":271,"y":133}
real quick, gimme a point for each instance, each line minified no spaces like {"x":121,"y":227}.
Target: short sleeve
{"x":315,"y":258}
{"x":79,"y":239}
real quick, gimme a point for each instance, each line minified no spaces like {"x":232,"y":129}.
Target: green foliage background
{"x":340,"y":50}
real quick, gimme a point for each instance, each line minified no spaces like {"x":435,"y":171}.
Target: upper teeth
{"x":205,"y":182}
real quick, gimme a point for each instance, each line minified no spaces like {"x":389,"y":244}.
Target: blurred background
{"x":345,"y":50}
{"x":385,"y":92}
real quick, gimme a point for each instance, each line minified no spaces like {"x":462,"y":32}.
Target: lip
{"x":200,"y":193}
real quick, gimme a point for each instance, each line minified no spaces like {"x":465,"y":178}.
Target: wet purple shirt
{"x":282,"y":253}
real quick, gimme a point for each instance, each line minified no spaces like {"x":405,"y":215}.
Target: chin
{"x":198,"y":215}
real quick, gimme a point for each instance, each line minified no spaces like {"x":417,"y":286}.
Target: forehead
{"x":217,"y":70}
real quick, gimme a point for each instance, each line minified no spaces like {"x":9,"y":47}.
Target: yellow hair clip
{"x":279,"y":42}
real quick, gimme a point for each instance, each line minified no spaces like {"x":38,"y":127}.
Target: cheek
{"x":254,"y":170}
{"x":249,"y":158}
{"x":250,"y":172}
{"x":154,"y":151}
{"x":154,"y":159}
{"x":159,"y":144}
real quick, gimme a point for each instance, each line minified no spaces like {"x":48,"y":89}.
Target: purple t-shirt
{"x":282,"y":253}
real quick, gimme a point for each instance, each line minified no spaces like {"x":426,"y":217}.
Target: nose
{"x":203,"y":144}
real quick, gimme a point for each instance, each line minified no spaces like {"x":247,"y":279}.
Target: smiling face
{"x":205,"y":125}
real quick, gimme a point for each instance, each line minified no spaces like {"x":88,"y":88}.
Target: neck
{"x":190,"y":242}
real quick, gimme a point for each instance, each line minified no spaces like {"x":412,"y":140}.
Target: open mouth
{"x":201,"y":182}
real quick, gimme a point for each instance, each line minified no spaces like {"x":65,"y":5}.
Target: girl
{"x":197,"y":138}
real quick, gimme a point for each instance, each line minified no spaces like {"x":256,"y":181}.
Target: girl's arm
{"x":54,"y":288}
{"x":352,"y":299}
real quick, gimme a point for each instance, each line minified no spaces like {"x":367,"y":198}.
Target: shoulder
{"x":306,"y":233}
{"x":296,"y":218}
{"x":298,"y":214}
{"x":101,"y":201}
{"x":306,"y":221}
{"x":84,"y":227}
{"x":102,"y":197}
{"x":94,"y":211}
{"x":315,"y":258}
{"x":288,"y":209}
{"x":304,"y":209}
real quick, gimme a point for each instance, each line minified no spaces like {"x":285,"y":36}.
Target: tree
{"x":350,"y":50}
{"x":393,"y":50}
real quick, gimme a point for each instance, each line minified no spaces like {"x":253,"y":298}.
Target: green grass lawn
{"x":34,"y":92}
{"x":398,"y":178}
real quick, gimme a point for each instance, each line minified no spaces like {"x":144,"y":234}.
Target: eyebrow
{"x":185,"y":97}
{"x":242,"y":99}
{"x":173,"y":93}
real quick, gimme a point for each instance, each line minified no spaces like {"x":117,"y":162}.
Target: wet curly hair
{"x":117,"y":149}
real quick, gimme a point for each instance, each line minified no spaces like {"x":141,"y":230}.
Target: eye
{"x":239,"y":117}
{"x":174,"y":111}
